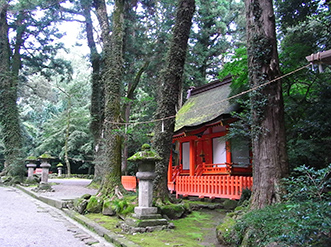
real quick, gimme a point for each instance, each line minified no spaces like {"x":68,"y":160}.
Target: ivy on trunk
{"x":97,"y":95}
{"x":112,"y":79}
{"x":268,"y":130}
{"x":9,"y":115}
{"x":171,"y":88}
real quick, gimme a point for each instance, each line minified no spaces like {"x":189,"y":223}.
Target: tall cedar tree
{"x":268,"y":139}
{"x":112,"y":79}
{"x":9,"y":69}
{"x":30,"y":48}
{"x":169,"y":94}
{"x":97,"y":95}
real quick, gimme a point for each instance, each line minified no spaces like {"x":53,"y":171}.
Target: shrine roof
{"x":207,"y":104}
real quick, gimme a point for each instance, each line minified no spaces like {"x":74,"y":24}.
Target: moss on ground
{"x":106,"y":221}
{"x":190,"y":231}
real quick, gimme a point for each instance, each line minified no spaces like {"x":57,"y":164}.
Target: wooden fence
{"x":212,"y":186}
{"x":202,"y":186}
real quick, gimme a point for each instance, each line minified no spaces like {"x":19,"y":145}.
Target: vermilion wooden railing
{"x":223,"y":169}
{"x":199,"y":169}
{"x":175,"y":172}
{"x":172,"y":181}
{"x":213,"y":186}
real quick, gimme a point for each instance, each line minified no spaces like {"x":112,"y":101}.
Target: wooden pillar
{"x":192,"y":158}
{"x":228,"y":153}
{"x":170,"y":168}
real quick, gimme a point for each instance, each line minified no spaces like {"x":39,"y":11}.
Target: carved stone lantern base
{"x":145,"y":212}
{"x":146,"y":223}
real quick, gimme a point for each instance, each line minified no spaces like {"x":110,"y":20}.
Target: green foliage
{"x":304,"y":224}
{"x":304,"y":29}
{"x":309,"y":184}
{"x":238,"y":69}
{"x":30,"y":48}
{"x":47,"y":109}
{"x":226,"y":230}
{"x":11,"y":180}
{"x":308,"y":126}
{"x":291,"y":12}
{"x":218,"y":30}
{"x":304,"y":219}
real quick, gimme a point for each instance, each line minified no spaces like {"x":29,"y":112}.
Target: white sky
{"x":71,"y":38}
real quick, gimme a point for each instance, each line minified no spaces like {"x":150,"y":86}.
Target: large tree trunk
{"x":127,"y":109}
{"x":112,"y":77}
{"x":97,"y":95}
{"x":171,"y":88}
{"x":9,"y":115}
{"x":270,"y":162}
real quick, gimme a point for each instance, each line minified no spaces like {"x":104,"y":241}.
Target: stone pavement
{"x":65,"y":191}
{"x":26,"y":221}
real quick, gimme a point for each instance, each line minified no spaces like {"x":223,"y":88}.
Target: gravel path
{"x":69,"y":188}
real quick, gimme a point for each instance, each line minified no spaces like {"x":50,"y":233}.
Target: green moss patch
{"x":107,"y":222}
{"x":145,"y":154}
{"x":94,"y":204}
{"x":173,"y":211}
{"x":193,"y":230}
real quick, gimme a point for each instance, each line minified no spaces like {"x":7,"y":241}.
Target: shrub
{"x":309,"y":184}
{"x":302,"y":224}
{"x":303,"y":219}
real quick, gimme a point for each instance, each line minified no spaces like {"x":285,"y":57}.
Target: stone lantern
{"x":59,"y":169}
{"x":31,"y":165}
{"x":145,"y":212}
{"x":45,"y":165}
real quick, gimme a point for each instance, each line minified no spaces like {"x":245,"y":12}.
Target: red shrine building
{"x":203,"y":161}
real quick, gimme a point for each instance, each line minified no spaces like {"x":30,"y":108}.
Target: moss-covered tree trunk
{"x":66,"y":155}
{"x":169,"y":94}
{"x":112,"y":77}
{"x":270,"y":162}
{"x":97,"y":95}
{"x":126,"y":109}
{"x":9,"y":115}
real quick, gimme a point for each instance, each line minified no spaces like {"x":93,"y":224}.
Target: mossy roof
{"x":207,"y":104}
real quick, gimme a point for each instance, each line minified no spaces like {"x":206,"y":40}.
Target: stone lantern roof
{"x":146,"y":154}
